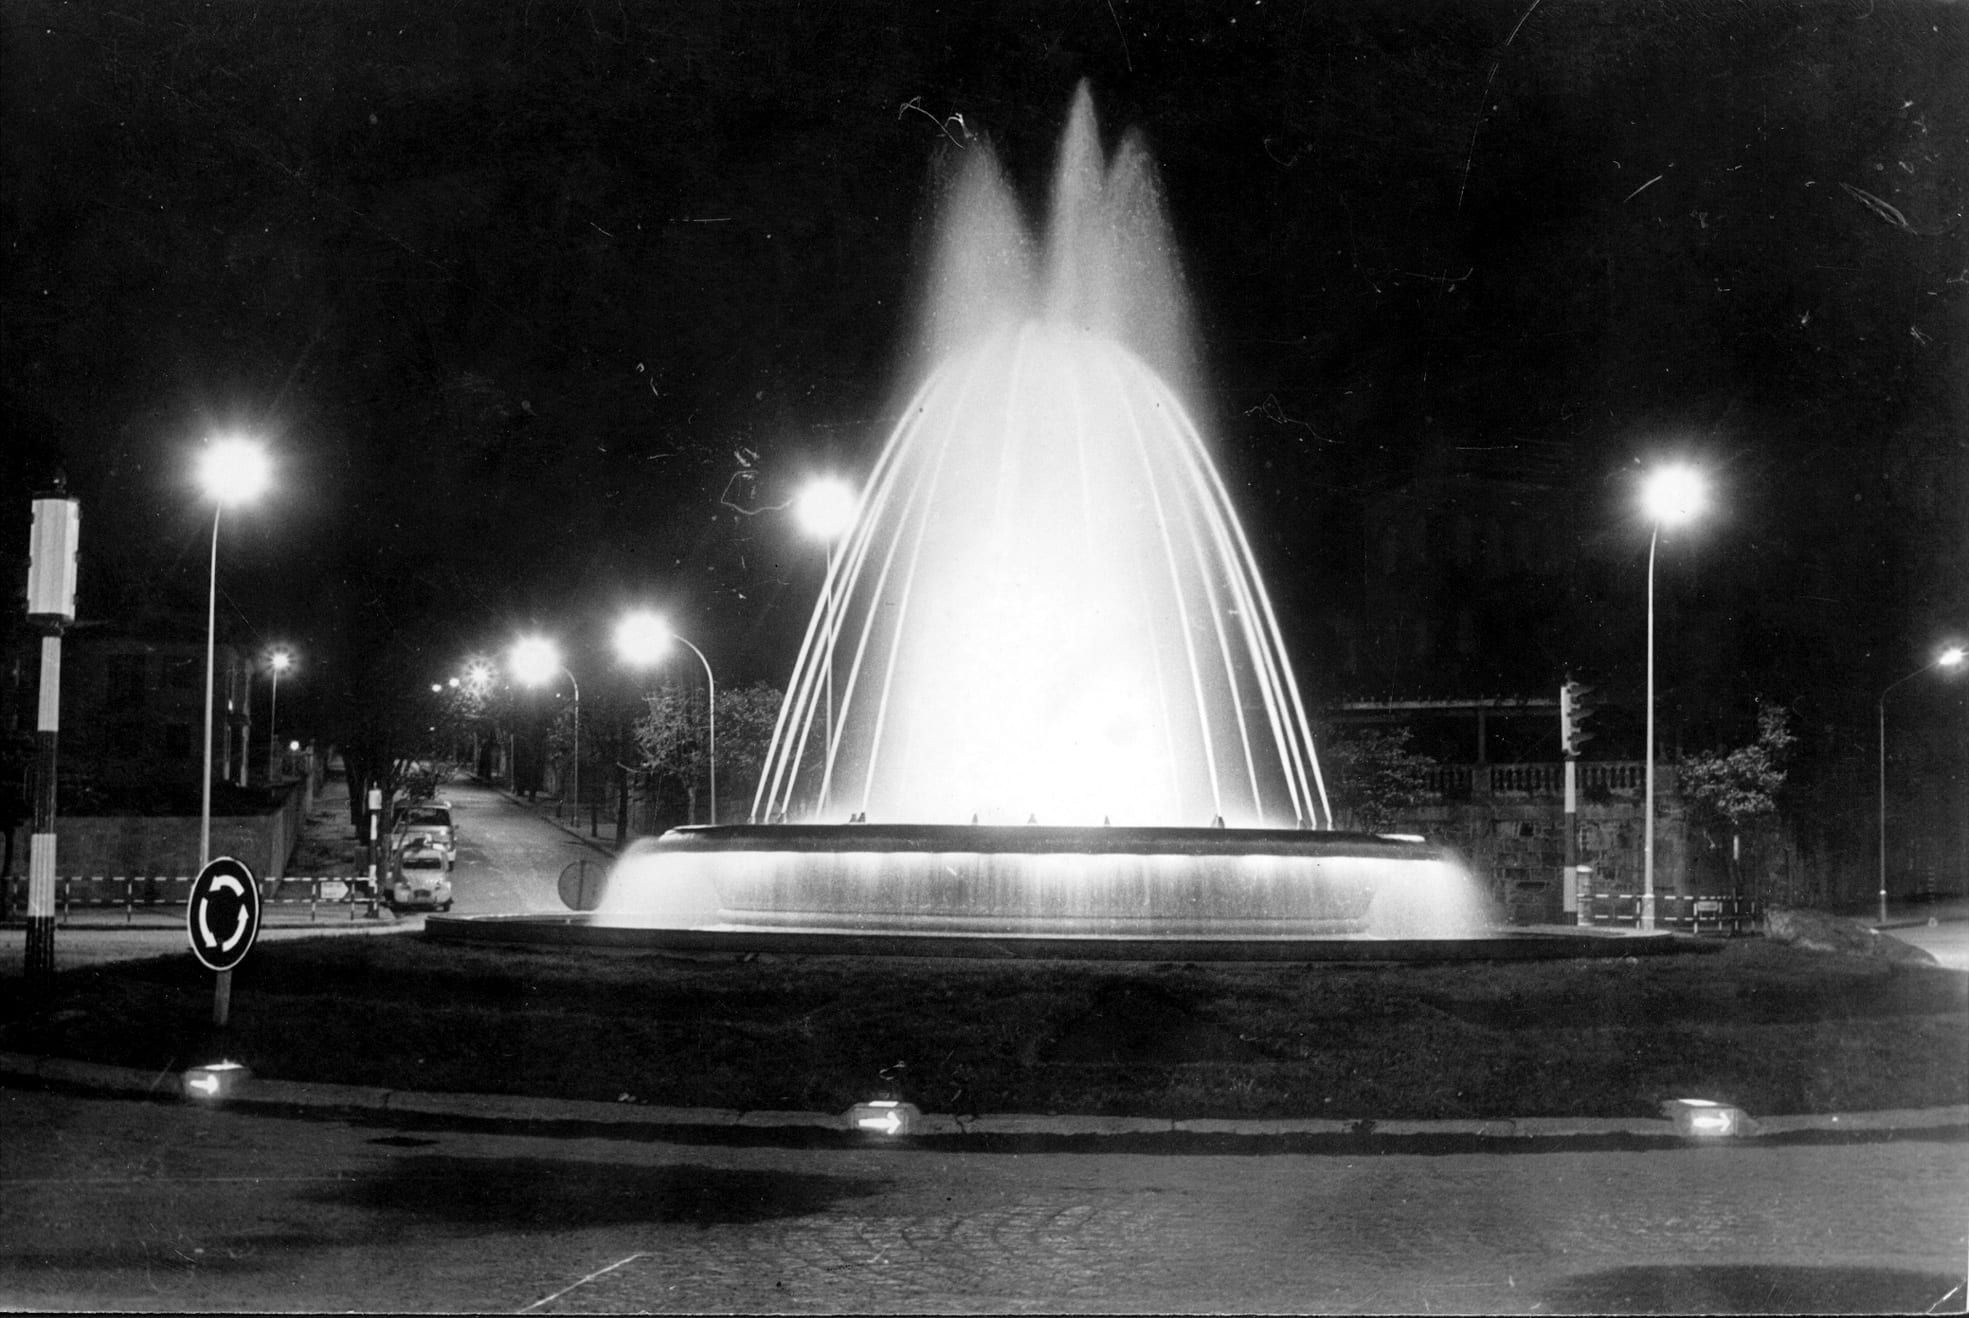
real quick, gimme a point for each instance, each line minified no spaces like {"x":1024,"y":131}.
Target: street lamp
{"x":641,"y":638}
{"x":1670,"y":496}
{"x":231,"y":471}
{"x":1948,"y":658}
{"x":826,"y":509}
{"x":535,"y":661}
{"x":277,"y":663}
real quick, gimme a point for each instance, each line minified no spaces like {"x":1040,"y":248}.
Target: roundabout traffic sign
{"x":223,"y":916}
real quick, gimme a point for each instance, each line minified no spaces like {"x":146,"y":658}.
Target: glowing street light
{"x":826,"y":509}
{"x":277,"y":663}
{"x":1949,"y":658}
{"x":642,"y":639}
{"x":535,"y":660}
{"x":1670,"y":496}
{"x":231,"y":470}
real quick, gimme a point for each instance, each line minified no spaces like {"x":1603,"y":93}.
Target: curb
{"x":533,"y":808}
{"x":519,"y":1109}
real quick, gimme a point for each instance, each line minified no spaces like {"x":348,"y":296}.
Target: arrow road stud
{"x":885,"y":1117}
{"x":1701,"y":1118}
{"x":212,"y":1083}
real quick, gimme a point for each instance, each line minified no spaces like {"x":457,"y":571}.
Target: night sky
{"x":545,"y":308}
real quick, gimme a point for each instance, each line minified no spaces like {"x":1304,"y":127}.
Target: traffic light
{"x":1573,"y":713}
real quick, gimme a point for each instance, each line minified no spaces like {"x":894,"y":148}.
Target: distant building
{"x":133,"y":707}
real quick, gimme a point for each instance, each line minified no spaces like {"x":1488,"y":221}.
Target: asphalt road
{"x":141,"y":1205}
{"x":509,"y":857}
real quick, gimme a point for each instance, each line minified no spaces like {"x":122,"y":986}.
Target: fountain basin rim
{"x":1044,"y":839}
{"x":582,"y":932}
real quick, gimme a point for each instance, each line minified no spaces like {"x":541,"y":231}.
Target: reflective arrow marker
{"x":215,"y":1081}
{"x":888,"y":1123}
{"x":1705,"y":1118}
{"x":882,"y":1116}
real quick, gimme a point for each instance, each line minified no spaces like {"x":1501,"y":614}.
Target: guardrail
{"x":1730,"y":917}
{"x":159,"y":895}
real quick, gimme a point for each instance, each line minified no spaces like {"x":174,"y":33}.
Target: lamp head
{"x":280,"y":661}
{"x":233,"y":470}
{"x":826,"y":508}
{"x":642,"y":638}
{"x":1673,"y":494}
{"x":535,"y":660}
{"x":1951,"y":657}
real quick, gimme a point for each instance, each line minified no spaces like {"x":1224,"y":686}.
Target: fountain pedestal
{"x":1034,"y":881}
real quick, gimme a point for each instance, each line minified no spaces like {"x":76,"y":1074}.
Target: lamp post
{"x":535,"y":661}
{"x":1670,"y":496}
{"x":231,"y":471}
{"x":826,"y":509}
{"x":641,"y":639}
{"x":1948,"y":658}
{"x":277,"y":663}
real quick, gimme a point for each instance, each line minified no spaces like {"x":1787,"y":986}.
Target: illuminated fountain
{"x":1044,"y":692}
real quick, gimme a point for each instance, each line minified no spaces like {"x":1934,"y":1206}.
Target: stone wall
{"x":1508,"y":821}
{"x":166,"y":846}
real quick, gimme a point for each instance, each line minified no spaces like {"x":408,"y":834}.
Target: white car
{"x":427,"y":823}
{"x":420,"y":879}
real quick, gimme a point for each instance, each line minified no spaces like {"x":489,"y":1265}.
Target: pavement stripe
{"x":599,"y":1272}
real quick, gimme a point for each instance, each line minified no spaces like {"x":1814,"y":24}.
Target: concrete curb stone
{"x":772,"y":1117}
{"x":1267,"y":1126}
{"x":1937,"y":1118}
{"x":314,"y":1094}
{"x":1015,"y":1123}
{"x":519,"y":1108}
{"x":96,"y":1075}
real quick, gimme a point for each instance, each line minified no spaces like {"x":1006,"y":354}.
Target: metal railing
{"x":167,"y":896}
{"x":1729,"y":917}
{"x":1464,"y":782}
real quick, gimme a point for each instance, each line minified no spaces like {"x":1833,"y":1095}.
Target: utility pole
{"x":1572,"y":715}
{"x":51,"y":573}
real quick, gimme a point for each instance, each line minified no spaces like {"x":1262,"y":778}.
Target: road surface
{"x":509,"y":858}
{"x":127,"y":1204}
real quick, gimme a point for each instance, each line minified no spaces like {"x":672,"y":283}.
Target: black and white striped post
{"x":55,"y":540}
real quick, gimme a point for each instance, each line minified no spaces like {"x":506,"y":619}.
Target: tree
{"x":1377,"y":775}
{"x":388,"y":724}
{"x":672,"y":739}
{"x":1740,"y":787}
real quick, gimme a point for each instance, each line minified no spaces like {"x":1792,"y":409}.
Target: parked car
{"x":428,"y":822}
{"x":420,"y":879}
